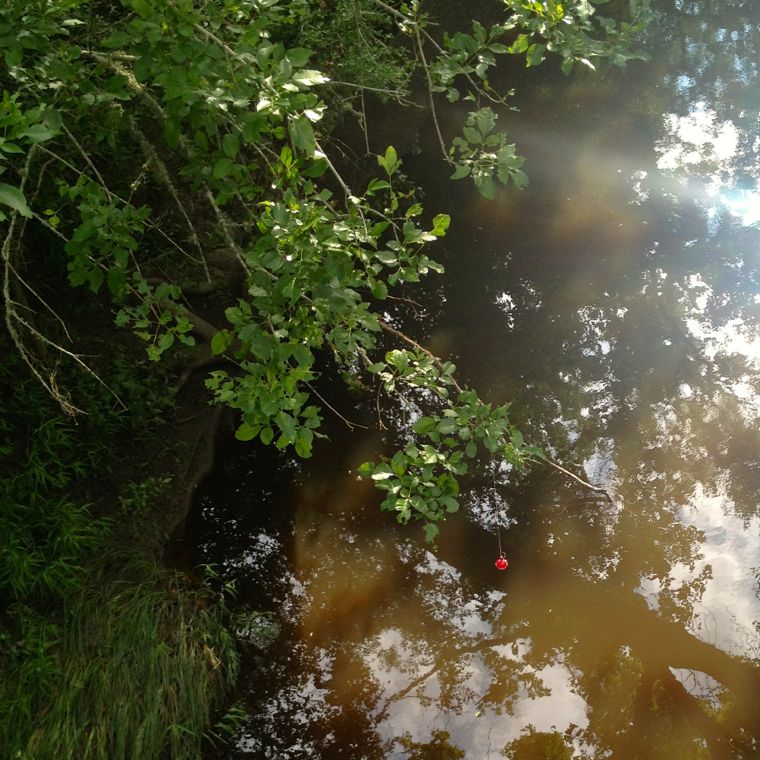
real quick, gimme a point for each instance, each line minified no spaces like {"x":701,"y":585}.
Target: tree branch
{"x":433,"y":112}
{"x":152,"y":156}
{"x":598,"y":489}
{"x":11,"y":315}
{"x":350,"y":425}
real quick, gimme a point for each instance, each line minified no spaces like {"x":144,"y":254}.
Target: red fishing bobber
{"x":501,"y":563}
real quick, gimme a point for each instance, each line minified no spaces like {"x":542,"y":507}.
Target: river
{"x":614,"y":302}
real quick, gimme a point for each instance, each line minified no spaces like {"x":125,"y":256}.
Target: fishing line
{"x":501,"y":561}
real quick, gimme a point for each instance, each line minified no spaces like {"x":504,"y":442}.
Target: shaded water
{"x":615,"y":303}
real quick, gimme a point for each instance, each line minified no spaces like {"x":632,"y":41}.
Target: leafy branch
{"x":570,"y":29}
{"x":174,"y":128}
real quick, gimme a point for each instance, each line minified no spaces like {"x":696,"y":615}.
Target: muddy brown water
{"x":615,"y":303}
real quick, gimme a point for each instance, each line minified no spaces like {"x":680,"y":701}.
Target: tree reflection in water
{"x":615,"y":303}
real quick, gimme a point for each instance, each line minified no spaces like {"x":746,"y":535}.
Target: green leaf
{"x":377,"y":184}
{"x":365,"y":469}
{"x":245,"y":432}
{"x":303,"y":448}
{"x":117,"y":281}
{"x":172,"y":132}
{"x":302,"y":135}
{"x":38,"y":133}
{"x":447,"y":426}
{"x":387,"y":258}
{"x":222,"y":168}
{"x":299,"y":56}
{"x":535,"y":55}
{"x":253,"y":125}
{"x":390,"y":161}
{"x":471,"y":449}
{"x":441,"y":224}
{"x":8,"y":147}
{"x":424,"y":425}
{"x":431,"y":532}
{"x":286,"y":157}
{"x":166,"y":341}
{"x":317,"y":169}
{"x":461,"y":171}
{"x":473,"y":136}
{"x":117,"y":39}
{"x":309,"y":77}
{"x":13,"y":197}
{"x":486,"y":186}
{"x":414,"y":210}
{"x":221,"y":342}
{"x":399,"y":463}
{"x":142,"y":8}
{"x":520,"y":45}
{"x":230,"y":145}
{"x":520,"y":178}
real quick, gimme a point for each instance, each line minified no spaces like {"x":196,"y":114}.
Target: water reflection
{"x":615,"y":303}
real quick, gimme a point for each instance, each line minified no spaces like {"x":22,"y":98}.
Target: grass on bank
{"x":137,"y":669}
{"x":103,"y":652}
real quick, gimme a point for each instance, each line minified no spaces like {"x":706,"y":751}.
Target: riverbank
{"x":106,"y":651}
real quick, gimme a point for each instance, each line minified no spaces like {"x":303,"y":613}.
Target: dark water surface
{"x":615,"y":302}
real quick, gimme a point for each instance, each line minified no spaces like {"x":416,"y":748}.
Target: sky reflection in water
{"x":615,"y":302}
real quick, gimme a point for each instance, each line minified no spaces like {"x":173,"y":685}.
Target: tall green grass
{"x":103,"y":654}
{"x":137,"y":670}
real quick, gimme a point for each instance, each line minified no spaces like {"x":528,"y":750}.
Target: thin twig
{"x":11,"y":315}
{"x":351,"y":200}
{"x":597,"y":489}
{"x":398,"y":95}
{"x":44,"y":222}
{"x":349,"y":424}
{"x":380,"y":422}
{"x":225,"y":225}
{"x":419,"y":310}
{"x":66,"y":163}
{"x":365,"y":125}
{"x":392,"y":11}
{"x":433,"y":111}
{"x":87,"y":159}
{"x":163,"y":173}
{"x":110,"y":54}
{"x":344,"y":186}
{"x":483,"y":90}
{"x":73,"y":356}
{"x":221,"y":43}
{"x":43,"y":302}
